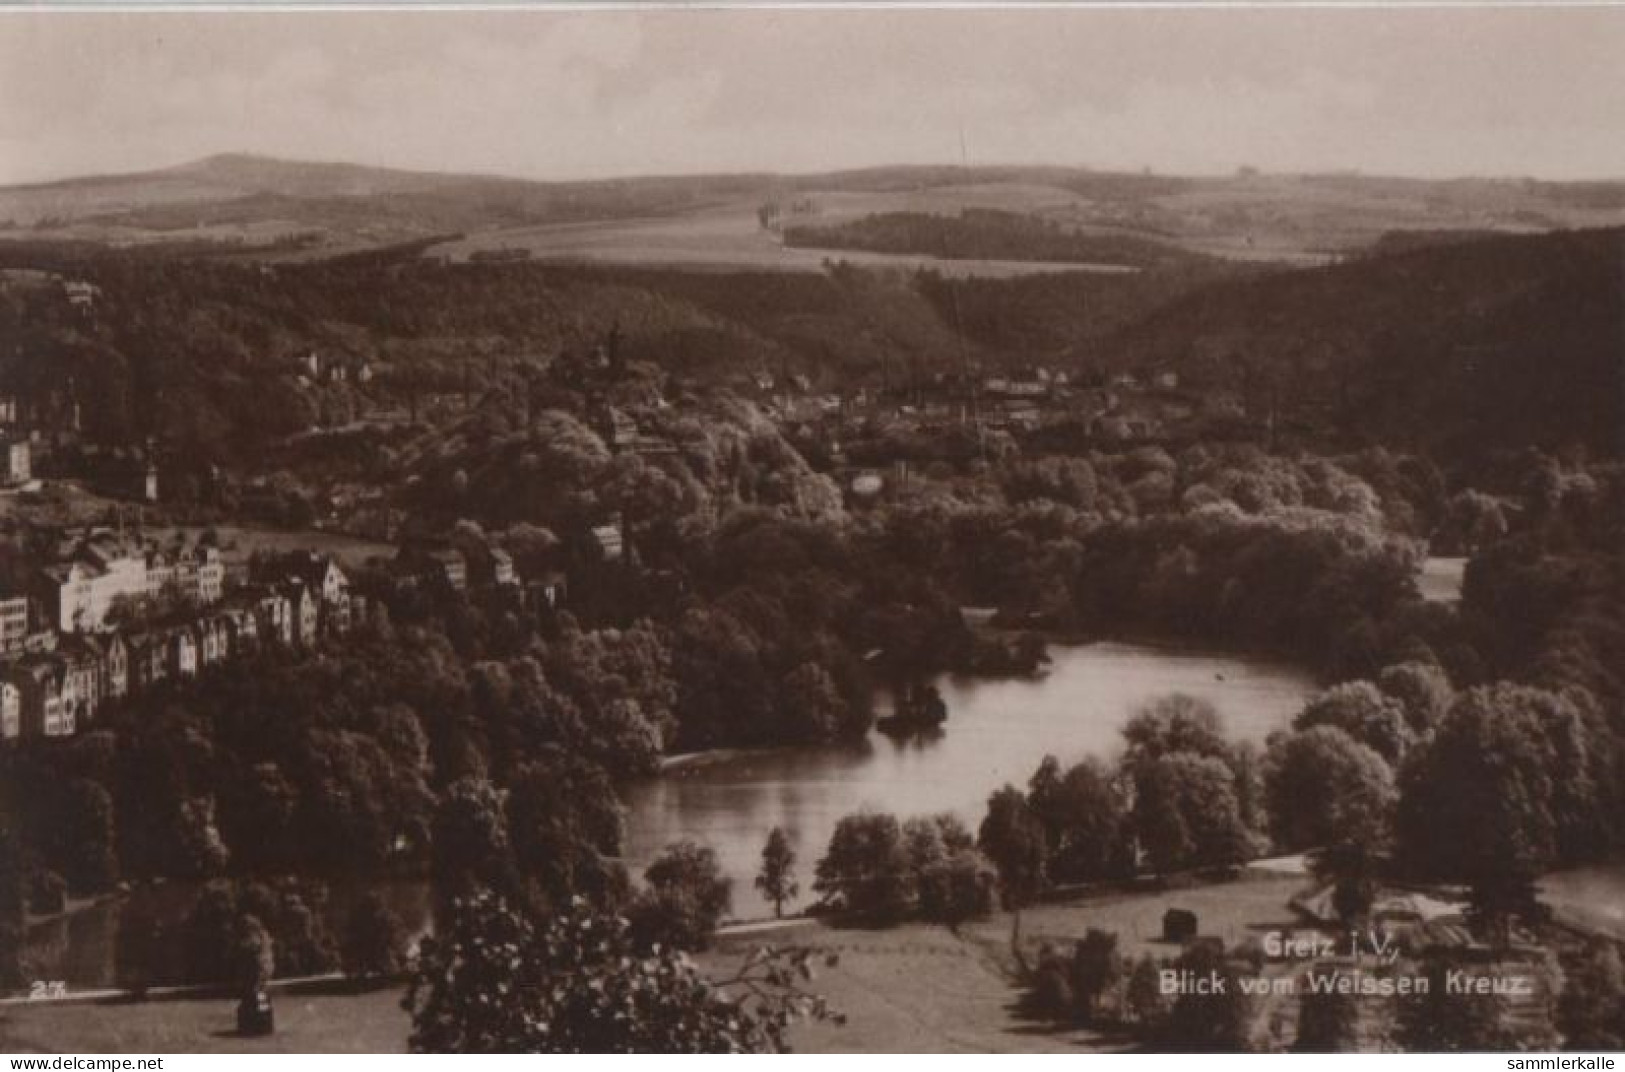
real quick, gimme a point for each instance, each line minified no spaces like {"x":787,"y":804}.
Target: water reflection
{"x":997,"y":732}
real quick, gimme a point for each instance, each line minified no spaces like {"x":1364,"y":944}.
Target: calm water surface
{"x":997,"y":732}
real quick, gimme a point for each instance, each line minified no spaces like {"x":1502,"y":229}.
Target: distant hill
{"x":217,"y":178}
{"x":238,"y":200}
{"x":1463,"y":348}
{"x":1450,"y":341}
{"x":246,"y":204}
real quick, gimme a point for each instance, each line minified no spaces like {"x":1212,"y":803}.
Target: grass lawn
{"x":726,"y":238}
{"x":1233,"y":911}
{"x":312,"y":1022}
{"x":920,"y":988}
{"x":916,"y":988}
{"x":911,"y":988}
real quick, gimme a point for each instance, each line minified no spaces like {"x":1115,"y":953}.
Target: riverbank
{"x":998,"y":731}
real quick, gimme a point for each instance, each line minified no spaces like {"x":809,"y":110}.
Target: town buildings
{"x":104,"y":575}
{"x":17,"y":455}
{"x":114,"y":617}
{"x":13,"y":623}
{"x":120,"y":617}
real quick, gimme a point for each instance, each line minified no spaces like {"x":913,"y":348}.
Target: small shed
{"x":1178,"y":925}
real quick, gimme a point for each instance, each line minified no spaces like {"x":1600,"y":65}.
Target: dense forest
{"x":1457,"y":351}
{"x":985,"y":234}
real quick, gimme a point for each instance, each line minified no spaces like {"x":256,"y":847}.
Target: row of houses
{"x":442,"y":567}
{"x":98,"y":572}
{"x":58,"y":682}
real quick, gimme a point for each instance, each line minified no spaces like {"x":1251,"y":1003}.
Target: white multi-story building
{"x":11,"y":711}
{"x":80,"y":591}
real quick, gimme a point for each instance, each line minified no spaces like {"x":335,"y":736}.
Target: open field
{"x":317,"y":1021}
{"x":239,"y":203}
{"x":911,"y":988}
{"x":925,"y":988}
{"x":920,"y":988}
{"x":1296,"y":220}
{"x":716,"y":239}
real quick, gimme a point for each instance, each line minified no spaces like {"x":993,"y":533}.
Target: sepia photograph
{"x":602,"y":529}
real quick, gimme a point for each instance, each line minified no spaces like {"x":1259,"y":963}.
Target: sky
{"x":1440,"y":91}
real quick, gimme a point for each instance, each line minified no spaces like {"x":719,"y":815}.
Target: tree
{"x":923,"y":845}
{"x":952,"y":880}
{"x":686,"y":898}
{"x":1489,"y":800}
{"x":13,"y":899}
{"x":1591,"y":1010}
{"x":356,"y":797}
{"x":1096,"y":968}
{"x":1216,"y":1022}
{"x":1084,"y":818}
{"x":471,"y":846}
{"x":1324,"y":788}
{"x":567,"y":825}
{"x":1013,"y":838}
{"x":210,"y":935}
{"x":812,"y":705}
{"x":957,"y":887}
{"x":866,"y":868}
{"x":1435,"y":1020}
{"x":1186,"y":813}
{"x":1423,"y":691}
{"x":200,"y":853}
{"x":495,"y":980}
{"x":1174,"y":723}
{"x":1353,"y":870}
{"x":1147,"y":1004}
{"x":89,"y":837}
{"x":1051,"y":994}
{"x":1328,"y":1019}
{"x":257,"y":810}
{"x":304,"y":945}
{"x":1359,"y":709}
{"x":140,"y":955}
{"x":373,"y":939}
{"x":777,"y":879}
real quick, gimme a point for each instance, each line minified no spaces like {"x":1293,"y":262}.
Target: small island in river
{"x":919,"y":707}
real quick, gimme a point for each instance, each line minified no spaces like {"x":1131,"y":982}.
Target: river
{"x":998,"y":731}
